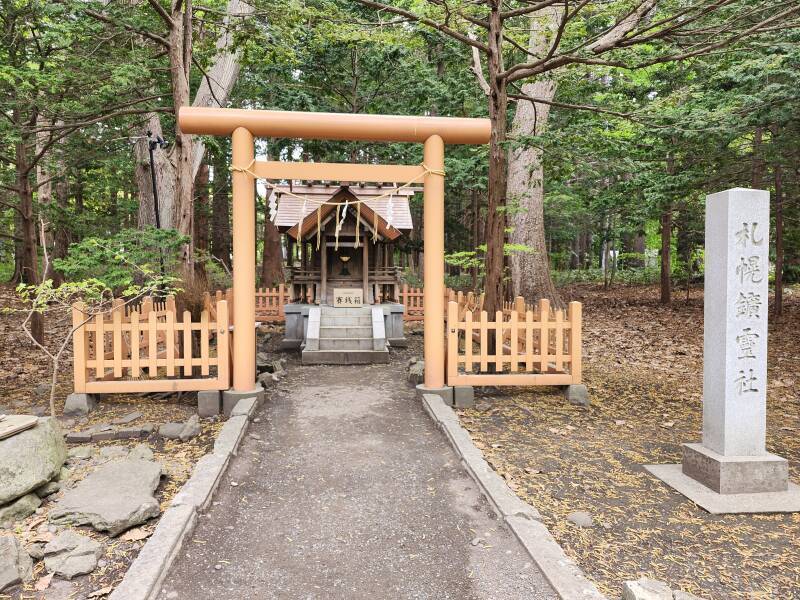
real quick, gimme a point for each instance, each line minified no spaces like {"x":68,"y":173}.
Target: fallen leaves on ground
{"x":643,"y":368}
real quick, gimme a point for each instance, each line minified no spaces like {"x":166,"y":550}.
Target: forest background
{"x":611,"y":121}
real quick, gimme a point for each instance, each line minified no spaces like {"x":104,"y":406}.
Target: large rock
{"x":19,"y":508}
{"x":15,"y":564}
{"x":71,"y":554}
{"x":30,"y":459}
{"x":116,"y":497}
{"x":646,"y":589}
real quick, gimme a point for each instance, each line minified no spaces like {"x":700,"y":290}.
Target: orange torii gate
{"x":243,"y":125}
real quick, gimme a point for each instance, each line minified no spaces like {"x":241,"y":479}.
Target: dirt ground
{"x":24,"y":388}
{"x":643,"y":368}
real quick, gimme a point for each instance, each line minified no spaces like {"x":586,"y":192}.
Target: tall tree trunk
{"x":19,"y":250}
{"x":220,"y":212}
{"x":778,"y":308}
{"x":180,"y":60}
{"x":44,"y":186}
{"x":498,"y":177}
{"x":214,"y":89}
{"x":530,"y":270}
{"x":29,"y":263}
{"x":271,"y":255}
{"x":61,"y":233}
{"x":165,"y":178}
{"x":201,"y":213}
{"x":757,"y":174}
{"x":666,"y":243}
{"x":475,"y":233}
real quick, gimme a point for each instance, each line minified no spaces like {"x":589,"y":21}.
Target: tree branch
{"x":425,"y":21}
{"x":162,"y":12}
{"x":151,"y":36}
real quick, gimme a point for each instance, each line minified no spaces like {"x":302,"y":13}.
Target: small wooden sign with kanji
{"x":347,"y":297}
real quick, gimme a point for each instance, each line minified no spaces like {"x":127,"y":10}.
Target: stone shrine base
{"x":735,"y":474}
{"x":718,"y":504}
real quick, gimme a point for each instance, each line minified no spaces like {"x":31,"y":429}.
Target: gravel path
{"x":345,"y":489}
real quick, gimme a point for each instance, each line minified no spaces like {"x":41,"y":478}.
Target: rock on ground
{"x":181,"y":431}
{"x":581,"y":518}
{"x":141,"y":451}
{"x":416,"y":372}
{"x":30,"y":459}
{"x":48,"y":489}
{"x":79,"y":404}
{"x":679,"y":595}
{"x":19,"y":508}
{"x":80,"y":452}
{"x":117,"y":496}
{"x":71,"y":554}
{"x":646,"y":589}
{"x":15,"y":564}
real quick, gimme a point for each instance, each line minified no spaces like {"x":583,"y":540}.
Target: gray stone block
{"x":79,"y":404}
{"x":209,"y":403}
{"x":445,"y":393}
{"x":577,"y":394}
{"x":128,"y":433}
{"x":127,"y":419}
{"x":101,"y":436}
{"x":735,"y":474}
{"x":230,"y":435}
{"x":245,"y":407}
{"x":646,"y":589}
{"x":230,"y":398}
{"x":463,"y":396}
{"x":205,"y":478}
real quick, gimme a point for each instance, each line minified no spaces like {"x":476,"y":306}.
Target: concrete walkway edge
{"x":143,"y":579}
{"x":524,"y":520}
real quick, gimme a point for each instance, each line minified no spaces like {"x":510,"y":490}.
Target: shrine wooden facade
{"x":343,"y":237}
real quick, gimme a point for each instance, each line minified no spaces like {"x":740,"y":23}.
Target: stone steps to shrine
{"x":345,"y":331}
{"x":345,"y":336}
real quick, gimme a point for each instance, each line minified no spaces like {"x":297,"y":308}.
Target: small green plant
{"x":110,"y":260}
{"x":133,"y":281}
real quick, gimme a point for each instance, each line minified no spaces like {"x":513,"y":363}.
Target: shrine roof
{"x":290,"y":208}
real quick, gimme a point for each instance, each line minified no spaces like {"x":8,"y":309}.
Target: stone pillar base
{"x":78,"y":404}
{"x":209,"y":403}
{"x":463,"y":396}
{"x":577,"y":394}
{"x":446,"y":393}
{"x":735,"y":474}
{"x":231,"y":397}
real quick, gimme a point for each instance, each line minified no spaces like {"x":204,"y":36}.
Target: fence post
{"x":280,"y":302}
{"x":79,"y":339}
{"x":544,"y":335}
{"x":223,"y":356}
{"x":575,"y":332}
{"x":451,"y":356}
{"x":519,"y":305}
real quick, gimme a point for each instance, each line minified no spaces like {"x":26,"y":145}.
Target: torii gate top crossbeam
{"x":333,"y":126}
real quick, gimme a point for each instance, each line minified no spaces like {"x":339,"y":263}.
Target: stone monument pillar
{"x":732,"y":459}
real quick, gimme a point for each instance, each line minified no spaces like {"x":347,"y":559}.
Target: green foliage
{"x":121,"y":261}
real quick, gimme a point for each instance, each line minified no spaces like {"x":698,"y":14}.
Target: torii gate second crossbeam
{"x":244,"y":125}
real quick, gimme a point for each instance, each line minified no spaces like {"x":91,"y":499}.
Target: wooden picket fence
{"x":413,"y":299}
{"x":145,"y":348}
{"x":530,"y":346}
{"x":269,"y":302}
